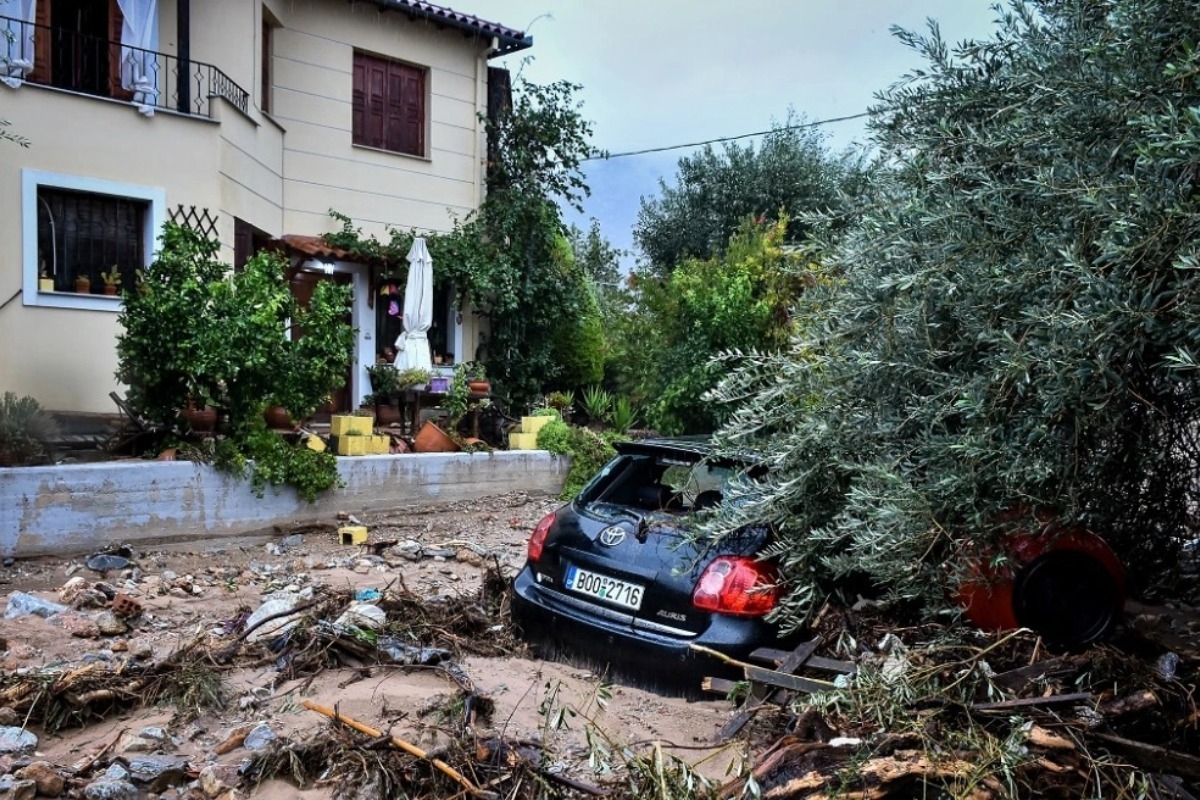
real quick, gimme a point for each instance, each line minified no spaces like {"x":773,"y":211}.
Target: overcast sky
{"x":664,"y":72}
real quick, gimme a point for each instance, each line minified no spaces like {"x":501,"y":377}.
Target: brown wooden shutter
{"x":115,"y":22}
{"x":41,"y":44}
{"x":370,"y":100}
{"x":413,"y":124}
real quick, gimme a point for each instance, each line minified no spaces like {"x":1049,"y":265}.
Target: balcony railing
{"x":67,"y":59}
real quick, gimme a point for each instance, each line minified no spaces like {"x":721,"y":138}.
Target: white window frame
{"x":31,"y":180}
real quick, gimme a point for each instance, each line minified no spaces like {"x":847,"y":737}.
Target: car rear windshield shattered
{"x":648,"y":484}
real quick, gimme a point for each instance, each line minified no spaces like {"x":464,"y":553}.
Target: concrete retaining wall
{"x":78,"y":508}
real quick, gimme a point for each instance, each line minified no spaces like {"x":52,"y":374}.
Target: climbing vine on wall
{"x":506,"y":259}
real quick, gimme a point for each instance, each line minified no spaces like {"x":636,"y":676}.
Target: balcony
{"x":78,"y":62}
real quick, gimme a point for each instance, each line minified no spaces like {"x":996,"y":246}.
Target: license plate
{"x":602,"y":587}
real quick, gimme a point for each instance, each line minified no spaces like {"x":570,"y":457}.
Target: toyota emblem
{"x":612,"y":536}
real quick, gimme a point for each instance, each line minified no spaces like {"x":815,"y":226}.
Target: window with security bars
{"x":389,"y":105}
{"x":81,"y":234}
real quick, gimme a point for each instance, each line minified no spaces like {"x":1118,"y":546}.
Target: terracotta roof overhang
{"x":510,"y":39}
{"x":313,"y":246}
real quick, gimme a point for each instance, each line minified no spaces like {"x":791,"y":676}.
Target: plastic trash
{"x":21,"y":604}
{"x":105,"y":562}
{"x":363,"y":615}
{"x":368,"y":595}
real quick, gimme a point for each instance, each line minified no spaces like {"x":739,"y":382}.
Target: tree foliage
{"x":195,"y":331}
{"x":790,"y":171}
{"x":736,"y":300}
{"x":1015,"y":322}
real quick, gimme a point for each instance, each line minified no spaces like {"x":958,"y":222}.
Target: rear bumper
{"x":648,"y":658}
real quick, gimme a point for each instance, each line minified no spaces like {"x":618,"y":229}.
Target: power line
{"x":814,"y":124}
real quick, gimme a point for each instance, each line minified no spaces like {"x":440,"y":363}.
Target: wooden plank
{"x":814,"y":662}
{"x":791,"y":662}
{"x":785,"y":680}
{"x":1026,"y":702}
{"x":724,"y":686}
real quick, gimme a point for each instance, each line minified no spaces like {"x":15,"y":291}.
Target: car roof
{"x":695,"y":447}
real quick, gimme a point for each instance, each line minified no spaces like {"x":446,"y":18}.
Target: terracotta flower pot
{"x":200,"y":420}
{"x":110,"y":289}
{"x":480,"y":386}
{"x":432,"y":439}
{"x":387,"y":415}
{"x":278,"y":417}
{"x":83,"y":286}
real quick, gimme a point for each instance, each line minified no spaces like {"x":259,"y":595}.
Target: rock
{"x":17,"y":740}
{"x":108,"y":789}
{"x":110,"y":624}
{"x":468,"y":556}
{"x":9,"y":716}
{"x":116,"y":772}
{"x":21,"y":604}
{"x":11,"y":789}
{"x":147,"y":740}
{"x":259,"y":737}
{"x":216,"y":779}
{"x":235,"y":739}
{"x":363,"y":615}
{"x":439,"y":552}
{"x":295,"y":540}
{"x":158,"y":772}
{"x":79,"y":626}
{"x":47,"y":780}
{"x":168,"y":576}
{"x":71,"y":589}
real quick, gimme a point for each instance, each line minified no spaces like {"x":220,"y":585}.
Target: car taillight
{"x":737,"y":585}
{"x":538,"y":540}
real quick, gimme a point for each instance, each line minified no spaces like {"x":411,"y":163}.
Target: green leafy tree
{"x":790,"y":171}
{"x":738,"y":300}
{"x":1014,"y":324}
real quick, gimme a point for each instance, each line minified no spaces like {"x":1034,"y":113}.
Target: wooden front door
{"x":303,"y":284}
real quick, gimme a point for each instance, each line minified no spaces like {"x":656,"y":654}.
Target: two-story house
{"x":249,"y":119}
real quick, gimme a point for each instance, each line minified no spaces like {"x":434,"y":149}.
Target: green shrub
{"x":555,"y":436}
{"x":25,"y":429}
{"x":588,"y":451}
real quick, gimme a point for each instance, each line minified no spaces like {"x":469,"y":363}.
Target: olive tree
{"x":1013,"y":323}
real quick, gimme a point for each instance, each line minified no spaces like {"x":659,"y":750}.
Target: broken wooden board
{"x":812,"y":662}
{"x":782,"y":678}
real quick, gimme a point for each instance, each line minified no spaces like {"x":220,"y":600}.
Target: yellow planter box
{"x":534,"y":424}
{"x":522,"y":441}
{"x":350,"y":425}
{"x":352,"y":534}
{"x":315,"y":442}
{"x":351,"y":445}
{"x":379,"y":445}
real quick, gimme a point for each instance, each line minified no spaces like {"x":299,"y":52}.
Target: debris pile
{"x":995,"y":716}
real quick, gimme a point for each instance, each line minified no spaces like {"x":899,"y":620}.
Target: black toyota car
{"x":612,"y":581}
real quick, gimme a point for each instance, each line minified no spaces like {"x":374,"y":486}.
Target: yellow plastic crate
{"x":522,"y":441}
{"x":534,"y":424}
{"x":352,"y":534}
{"x":379,"y":445}
{"x":352,"y":445}
{"x":350,"y":425}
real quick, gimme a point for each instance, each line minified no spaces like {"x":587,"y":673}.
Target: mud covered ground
{"x":197,"y":597}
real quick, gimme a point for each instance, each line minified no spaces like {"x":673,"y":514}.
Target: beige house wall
{"x":282,"y":172}
{"x":66,"y":358}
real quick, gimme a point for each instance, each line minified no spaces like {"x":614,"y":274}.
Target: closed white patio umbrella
{"x":412,"y":346}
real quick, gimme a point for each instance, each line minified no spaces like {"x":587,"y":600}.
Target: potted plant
{"x":112,"y":279}
{"x":200,"y":416}
{"x":45,"y":282}
{"x":476,"y":375}
{"x":83,"y":284}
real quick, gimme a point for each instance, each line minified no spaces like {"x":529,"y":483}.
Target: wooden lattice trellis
{"x":198,"y":219}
